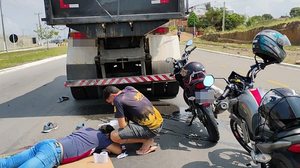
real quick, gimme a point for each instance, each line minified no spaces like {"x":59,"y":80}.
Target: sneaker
{"x":49,"y":127}
{"x":79,"y":126}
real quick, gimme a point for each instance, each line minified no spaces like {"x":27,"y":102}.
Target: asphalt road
{"x":29,"y":100}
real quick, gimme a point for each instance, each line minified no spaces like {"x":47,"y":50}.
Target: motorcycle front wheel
{"x":210,"y":123}
{"x":239,"y":135}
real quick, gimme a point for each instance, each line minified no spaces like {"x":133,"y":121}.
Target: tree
{"x":267,"y":17}
{"x":234,"y":20}
{"x":193,"y":20}
{"x":213,"y":17}
{"x":254,"y":20}
{"x":295,"y":12}
{"x":46,"y":33}
{"x":207,"y":6}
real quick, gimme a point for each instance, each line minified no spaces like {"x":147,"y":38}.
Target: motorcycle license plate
{"x":204,"y":96}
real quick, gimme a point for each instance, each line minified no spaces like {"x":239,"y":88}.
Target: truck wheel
{"x":163,"y":90}
{"x":172,"y":89}
{"x":82,"y":93}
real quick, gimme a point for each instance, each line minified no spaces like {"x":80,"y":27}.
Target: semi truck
{"x":118,"y":42}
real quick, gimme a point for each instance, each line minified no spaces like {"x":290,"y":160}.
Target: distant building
{"x":23,"y":42}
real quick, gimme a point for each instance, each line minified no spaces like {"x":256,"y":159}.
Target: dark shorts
{"x":133,"y":130}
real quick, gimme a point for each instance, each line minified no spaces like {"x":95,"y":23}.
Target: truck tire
{"x":165,"y":90}
{"x":172,"y":89}
{"x":82,"y":93}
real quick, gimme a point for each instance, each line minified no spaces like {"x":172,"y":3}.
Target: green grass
{"x":269,"y":23}
{"x":21,"y":57}
{"x":293,"y":52}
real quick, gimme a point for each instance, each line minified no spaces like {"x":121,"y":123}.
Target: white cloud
{"x":276,"y":8}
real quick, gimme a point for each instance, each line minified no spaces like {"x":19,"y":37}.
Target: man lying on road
{"x":54,"y":152}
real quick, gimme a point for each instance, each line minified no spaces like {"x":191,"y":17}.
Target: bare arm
{"x":122,"y":122}
{"x":114,"y":148}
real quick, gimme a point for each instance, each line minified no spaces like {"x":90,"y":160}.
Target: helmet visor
{"x":284,"y":41}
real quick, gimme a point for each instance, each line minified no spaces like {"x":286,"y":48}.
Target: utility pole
{"x":194,"y":31}
{"x":3,"y":29}
{"x":40,"y":26}
{"x":39,"y":19}
{"x":223,"y":21}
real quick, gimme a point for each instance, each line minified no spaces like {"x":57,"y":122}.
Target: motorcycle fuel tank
{"x":248,"y":103}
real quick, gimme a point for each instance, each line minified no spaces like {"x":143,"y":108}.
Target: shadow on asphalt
{"x":223,"y":158}
{"x":183,"y":136}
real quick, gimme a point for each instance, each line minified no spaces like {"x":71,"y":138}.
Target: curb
{"x":246,"y":57}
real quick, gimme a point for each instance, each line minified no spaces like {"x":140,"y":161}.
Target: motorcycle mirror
{"x":169,"y":59}
{"x":209,"y":80}
{"x":189,"y":43}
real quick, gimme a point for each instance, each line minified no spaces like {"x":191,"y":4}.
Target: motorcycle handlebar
{"x":193,"y":49}
{"x":225,"y":93}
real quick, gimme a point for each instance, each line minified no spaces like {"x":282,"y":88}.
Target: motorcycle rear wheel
{"x":210,"y":124}
{"x":238,"y":134}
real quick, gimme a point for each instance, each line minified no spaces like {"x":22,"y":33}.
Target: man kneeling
{"x":131,"y":105}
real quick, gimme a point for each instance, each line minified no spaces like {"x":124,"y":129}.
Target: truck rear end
{"x":118,"y":42}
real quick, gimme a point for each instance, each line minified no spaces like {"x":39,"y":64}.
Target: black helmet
{"x":268,"y":44}
{"x":191,"y":67}
{"x":280,"y":108}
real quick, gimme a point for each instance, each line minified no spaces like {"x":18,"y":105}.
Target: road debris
{"x":49,"y":127}
{"x":63,"y":98}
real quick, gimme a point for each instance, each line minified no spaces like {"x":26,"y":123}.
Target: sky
{"x":250,"y":8}
{"x":20,"y":15}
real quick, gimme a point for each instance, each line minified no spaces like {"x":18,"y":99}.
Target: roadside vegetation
{"x":293,"y":52}
{"x":210,"y":26}
{"x":20,"y":57}
{"x":212,"y":20}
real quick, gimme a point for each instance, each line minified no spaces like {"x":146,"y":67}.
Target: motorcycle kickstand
{"x":191,"y":122}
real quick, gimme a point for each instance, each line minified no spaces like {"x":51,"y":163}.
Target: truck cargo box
{"x":112,"y":18}
{"x":63,"y":12}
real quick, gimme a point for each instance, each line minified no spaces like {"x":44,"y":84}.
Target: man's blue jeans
{"x":42,"y":155}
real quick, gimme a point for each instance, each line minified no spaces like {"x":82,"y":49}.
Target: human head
{"x":106,"y":129}
{"x":109,"y":93}
{"x":268,"y":45}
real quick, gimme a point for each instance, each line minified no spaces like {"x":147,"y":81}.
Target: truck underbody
{"x":90,"y":62}
{"x":114,"y":41}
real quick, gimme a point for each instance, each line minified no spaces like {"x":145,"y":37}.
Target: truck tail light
{"x":295,"y":148}
{"x":78,"y":35}
{"x":164,"y":1}
{"x":161,"y":30}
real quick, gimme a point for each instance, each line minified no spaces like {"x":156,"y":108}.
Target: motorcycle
{"x":196,"y":84}
{"x":242,"y":101}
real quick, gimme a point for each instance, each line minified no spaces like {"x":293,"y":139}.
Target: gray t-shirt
{"x":82,"y":143}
